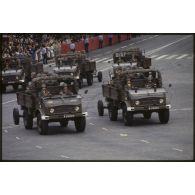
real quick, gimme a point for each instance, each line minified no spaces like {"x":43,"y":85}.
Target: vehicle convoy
{"x":50,"y":99}
{"x":12,"y":74}
{"x":18,"y":72}
{"x":135,"y":91}
{"x":77,"y":65}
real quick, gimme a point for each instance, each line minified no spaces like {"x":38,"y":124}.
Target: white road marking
{"x":182,"y":56}
{"x":104,"y":129}
{"x":145,"y":141}
{"x":132,"y":44}
{"x":163,"y":56}
{"x":123,"y":134}
{"x":167,"y":45}
{"x":9,"y":101}
{"x":17,"y":138}
{"x":144,"y":39}
{"x":181,"y":109}
{"x":123,"y":47}
{"x":39,"y":147}
{"x":171,"y":57}
{"x":155,"y":36}
{"x":177,"y":149}
{"x":8,"y":127}
{"x":5,"y":130}
{"x":91,"y":124}
{"x":153,"y":56}
{"x":101,"y":60}
{"x":63,"y":156}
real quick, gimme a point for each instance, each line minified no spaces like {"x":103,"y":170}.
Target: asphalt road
{"x":106,"y":140}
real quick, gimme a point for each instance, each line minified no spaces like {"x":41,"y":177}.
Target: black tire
{"x":127,"y":117}
{"x":99,"y":76}
{"x":28,"y":120}
{"x":3,"y":89}
{"x":80,"y":83}
{"x":100,"y":108}
{"x":164,"y":116}
{"x":42,"y":125}
{"x":90,"y":80}
{"x":80,"y":124}
{"x":15,"y":87}
{"x":63,"y":123}
{"x":16,"y":116}
{"x":113,"y":113}
{"x":23,"y":87}
{"x":147,"y":115}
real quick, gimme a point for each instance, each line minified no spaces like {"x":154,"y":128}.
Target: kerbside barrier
{"x":94,"y":43}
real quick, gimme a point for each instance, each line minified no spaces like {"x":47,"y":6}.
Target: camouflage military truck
{"x":48,"y":101}
{"x":12,"y":74}
{"x":135,"y":91}
{"x":78,"y":65}
{"x":131,"y":57}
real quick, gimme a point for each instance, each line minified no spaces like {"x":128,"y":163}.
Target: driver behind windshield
{"x":65,"y":90}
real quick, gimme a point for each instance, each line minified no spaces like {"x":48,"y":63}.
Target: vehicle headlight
{"x":71,"y":74}
{"x":76,"y":108}
{"x":161,"y":101}
{"x":17,"y":77}
{"x":137,"y":102}
{"x":51,"y":110}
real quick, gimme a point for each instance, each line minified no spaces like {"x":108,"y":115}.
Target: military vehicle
{"x":131,"y":57}
{"x":46,"y":101}
{"x":18,"y":72}
{"x":77,"y":64}
{"x":12,"y":74}
{"x":135,"y":91}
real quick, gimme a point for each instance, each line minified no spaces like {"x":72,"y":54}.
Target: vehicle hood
{"x":144,"y":93}
{"x":65,"y":69}
{"x":12,"y":72}
{"x":62,"y":101}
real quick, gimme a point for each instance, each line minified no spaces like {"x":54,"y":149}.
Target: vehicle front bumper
{"x":15,"y":82}
{"x":63,"y":116}
{"x":148,"y":108}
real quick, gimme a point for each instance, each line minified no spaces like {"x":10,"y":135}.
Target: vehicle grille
{"x":149,"y":101}
{"x":9,"y":78}
{"x":63,"y":109}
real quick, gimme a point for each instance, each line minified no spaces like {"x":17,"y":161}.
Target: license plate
{"x":153,"y":107}
{"x":69,"y":116}
{"x":11,"y":82}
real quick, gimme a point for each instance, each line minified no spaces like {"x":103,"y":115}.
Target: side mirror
{"x":170,"y":85}
{"x":86,"y":91}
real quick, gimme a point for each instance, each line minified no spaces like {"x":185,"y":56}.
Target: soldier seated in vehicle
{"x":65,"y":90}
{"x":44,"y":91}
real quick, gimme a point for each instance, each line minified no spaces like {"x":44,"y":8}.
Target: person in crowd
{"x":44,"y":54}
{"x":110,"y":39}
{"x":86,"y":44}
{"x":72,"y":46}
{"x":65,"y":90}
{"x":101,"y":39}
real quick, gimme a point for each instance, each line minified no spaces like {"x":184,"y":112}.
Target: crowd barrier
{"x":94,"y":43}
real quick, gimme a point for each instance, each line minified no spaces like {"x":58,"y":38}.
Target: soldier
{"x":44,"y":91}
{"x":65,"y":90}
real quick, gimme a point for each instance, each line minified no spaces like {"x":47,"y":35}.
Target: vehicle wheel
{"x":100,"y":108}
{"x":127,"y":117}
{"x":164,"y":116}
{"x":99,"y":76}
{"x":15,"y":86}
{"x":147,"y":115}
{"x":23,"y":87}
{"x":80,"y":82}
{"x":90,"y":80}
{"x":63,"y":123}
{"x":16,"y":116}
{"x":113,"y":113}
{"x":3,"y":89}
{"x":80,"y":124}
{"x":42,"y":125}
{"x":28,"y":120}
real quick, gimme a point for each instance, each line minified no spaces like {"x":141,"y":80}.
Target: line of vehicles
{"x":54,"y":97}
